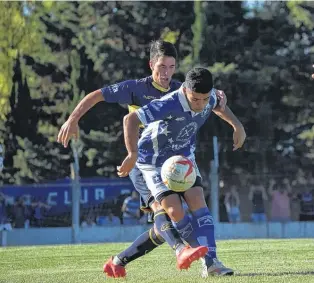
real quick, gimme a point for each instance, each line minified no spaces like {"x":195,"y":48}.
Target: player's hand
{"x":239,"y":137}
{"x":222,"y":99}
{"x":127,"y":164}
{"x":68,"y":130}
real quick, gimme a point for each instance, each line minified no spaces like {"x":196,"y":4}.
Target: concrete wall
{"x":52,"y":236}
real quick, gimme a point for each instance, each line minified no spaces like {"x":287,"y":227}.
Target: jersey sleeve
{"x":156,"y":110}
{"x":119,"y":93}
{"x":215,"y":97}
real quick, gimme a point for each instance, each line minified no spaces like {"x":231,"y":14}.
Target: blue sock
{"x":145,"y":243}
{"x":167,"y":231}
{"x":204,"y":230}
{"x":185,"y":229}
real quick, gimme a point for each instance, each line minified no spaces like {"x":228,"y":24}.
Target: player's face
{"x":197,"y":101}
{"x":163,"y":69}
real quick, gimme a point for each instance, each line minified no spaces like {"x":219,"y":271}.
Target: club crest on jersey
{"x":187,"y":132}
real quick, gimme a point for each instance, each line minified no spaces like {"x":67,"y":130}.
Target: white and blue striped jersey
{"x":170,"y":127}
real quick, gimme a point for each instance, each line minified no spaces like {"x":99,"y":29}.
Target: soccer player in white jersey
{"x":171,"y":124}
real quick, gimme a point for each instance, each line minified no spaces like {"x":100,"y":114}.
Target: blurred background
{"x":54,"y":53}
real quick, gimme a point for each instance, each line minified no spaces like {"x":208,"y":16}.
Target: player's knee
{"x":171,"y":203}
{"x":194,"y":198}
{"x":176,"y":213}
{"x":155,"y":206}
{"x":155,"y":236}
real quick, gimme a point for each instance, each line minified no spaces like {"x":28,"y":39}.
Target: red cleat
{"x":188,"y":255}
{"x":114,"y":270}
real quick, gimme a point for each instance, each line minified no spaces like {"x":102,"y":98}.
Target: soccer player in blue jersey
{"x":171,"y":124}
{"x":137,"y":93}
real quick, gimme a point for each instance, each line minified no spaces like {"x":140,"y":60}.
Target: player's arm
{"x":70,"y":127}
{"x":239,"y":134}
{"x":131,"y":125}
{"x":117,"y":93}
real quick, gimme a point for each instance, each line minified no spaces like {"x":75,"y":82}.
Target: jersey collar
{"x":160,"y":88}
{"x":184,"y":102}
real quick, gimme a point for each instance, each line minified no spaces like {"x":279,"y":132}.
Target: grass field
{"x":253,"y":260}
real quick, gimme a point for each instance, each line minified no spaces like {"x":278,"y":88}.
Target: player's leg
{"x":163,"y":226}
{"x":204,"y":229}
{"x":149,"y":240}
{"x":146,"y":242}
{"x":172,"y":205}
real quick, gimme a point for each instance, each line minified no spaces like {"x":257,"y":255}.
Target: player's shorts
{"x":152,"y":177}
{"x":146,"y":197}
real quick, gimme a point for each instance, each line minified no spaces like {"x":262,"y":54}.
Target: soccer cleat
{"x":188,"y":255}
{"x":216,"y":269}
{"x":114,"y":270}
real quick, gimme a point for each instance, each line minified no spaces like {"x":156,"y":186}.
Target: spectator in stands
{"x":258,"y":196}
{"x":232,"y":204}
{"x":4,"y":219}
{"x":109,"y":220}
{"x":117,"y":209}
{"x":39,"y":210}
{"x":19,"y":214}
{"x":131,"y":209}
{"x":223,"y":214}
{"x":280,"y":200}
{"x":306,"y":199}
{"x":88,"y":222}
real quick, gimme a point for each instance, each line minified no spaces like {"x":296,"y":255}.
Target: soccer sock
{"x":145,"y":243}
{"x":185,"y":229}
{"x":204,"y":229}
{"x":167,"y":231}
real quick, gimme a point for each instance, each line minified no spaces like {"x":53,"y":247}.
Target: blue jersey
{"x":170,"y":127}
{"x":137,"y":93}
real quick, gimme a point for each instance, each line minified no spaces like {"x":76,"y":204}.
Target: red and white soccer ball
{"x":178,"y":173}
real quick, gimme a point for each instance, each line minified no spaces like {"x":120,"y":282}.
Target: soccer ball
{"x":178,"y":173}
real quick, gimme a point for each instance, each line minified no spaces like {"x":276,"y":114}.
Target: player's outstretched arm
{"x":131,"y":125}
{"x":239,"y":134}
{"x":70,"y":127}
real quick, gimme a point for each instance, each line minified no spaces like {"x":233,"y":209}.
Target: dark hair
{"x":199,"y":80}
{"x":159,"y":48}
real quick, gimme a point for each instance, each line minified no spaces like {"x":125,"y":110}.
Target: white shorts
{"x":152,"y":177}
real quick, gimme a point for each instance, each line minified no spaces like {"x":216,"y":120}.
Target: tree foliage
{"x":54,"y":53}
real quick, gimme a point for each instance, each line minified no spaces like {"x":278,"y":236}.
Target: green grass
{"x":253,"y":260}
